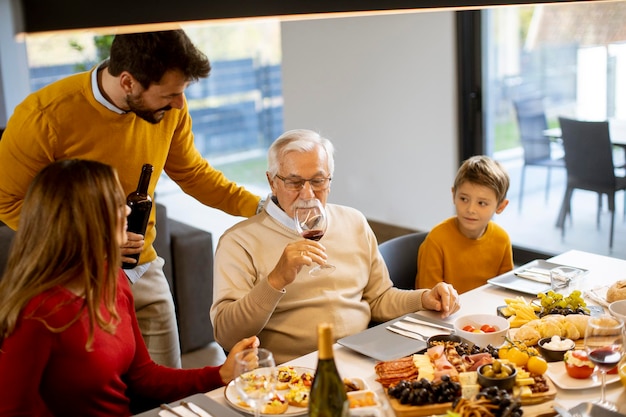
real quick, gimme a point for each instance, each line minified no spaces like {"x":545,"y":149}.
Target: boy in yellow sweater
{"x":469,"y":248}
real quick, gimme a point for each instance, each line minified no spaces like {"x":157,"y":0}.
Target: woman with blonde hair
{"x":69,"y":339}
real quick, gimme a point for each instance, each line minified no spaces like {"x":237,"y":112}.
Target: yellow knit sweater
{"x":63,"y":120}
{"x":446,"y":255}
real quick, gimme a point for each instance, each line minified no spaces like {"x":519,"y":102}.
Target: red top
{"x":46,"y":373}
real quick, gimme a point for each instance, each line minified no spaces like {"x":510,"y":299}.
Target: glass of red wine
{"x":311,"y":223}
{"x":604,"y":343}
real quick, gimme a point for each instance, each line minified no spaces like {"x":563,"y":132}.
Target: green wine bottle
{"x":328,"y":393}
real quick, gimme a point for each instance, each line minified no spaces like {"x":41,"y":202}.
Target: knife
{"x":561,"y":410}
{"x":545,"y":279}
{"x":428,"y":323}
{"x":195,"y":409}
{"x":171,"y":410}
{"x":406,"y":333}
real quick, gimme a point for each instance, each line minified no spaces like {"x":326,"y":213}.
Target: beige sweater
{"x":358,"y":291}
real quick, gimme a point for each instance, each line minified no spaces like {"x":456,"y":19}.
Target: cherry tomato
{"x":503,"y":352}
{"x":518,"y":356}
{"x":578,"y":372}
{"x":469,"y":328}
{"x":487,"y":328}
{"x":537,"y":365}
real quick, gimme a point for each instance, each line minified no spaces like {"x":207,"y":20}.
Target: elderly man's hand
{"x":294,"y":257}
{"x":442,"y":297}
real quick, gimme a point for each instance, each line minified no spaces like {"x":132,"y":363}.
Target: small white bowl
{"x":364,"y":403}
{"x":618,"y":310}
{"x":495,"y":339}
{"x":357,"y":383}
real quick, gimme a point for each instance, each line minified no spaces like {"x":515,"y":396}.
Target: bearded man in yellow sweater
{"x":128,"y":111}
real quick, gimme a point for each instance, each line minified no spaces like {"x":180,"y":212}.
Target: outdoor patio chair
{"x":531,"y":120}
{"x":589,"y":165}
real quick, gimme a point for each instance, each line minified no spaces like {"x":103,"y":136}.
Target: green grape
{"x":552,"y":302}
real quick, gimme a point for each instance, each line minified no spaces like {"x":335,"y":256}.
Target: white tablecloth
{"x":602,"y":271}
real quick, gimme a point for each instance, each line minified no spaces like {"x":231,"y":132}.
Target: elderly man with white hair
{"x":262,"y":283}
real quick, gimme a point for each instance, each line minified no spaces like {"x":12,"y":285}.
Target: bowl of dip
{"x":553,"y":348}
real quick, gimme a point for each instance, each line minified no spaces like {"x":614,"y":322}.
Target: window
{"x":573,"y":57}
{"x":236,"y":111}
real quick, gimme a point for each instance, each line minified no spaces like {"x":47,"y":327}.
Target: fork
{"x":191,"y":407}
{"x":404,"y":332}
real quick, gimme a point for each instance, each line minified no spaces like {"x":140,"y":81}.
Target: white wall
{"x":383,"y":89}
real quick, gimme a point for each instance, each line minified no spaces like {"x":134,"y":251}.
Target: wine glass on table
{"x":255,"y":377}
{"x":604,"y":343}
{"x":311,"y":222}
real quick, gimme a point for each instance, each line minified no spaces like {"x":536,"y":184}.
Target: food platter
{"x":557,"y":373}
{"x":403,"y":410}
{"x":234,"y":400}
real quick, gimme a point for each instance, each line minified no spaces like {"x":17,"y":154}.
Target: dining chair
{"x":589,"y":165}
{"x":532,"y":123}
{"x":400,"y":255}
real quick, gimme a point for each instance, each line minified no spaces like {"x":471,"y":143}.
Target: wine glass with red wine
{"x":604,"y":343}
{"x":311,"y":223}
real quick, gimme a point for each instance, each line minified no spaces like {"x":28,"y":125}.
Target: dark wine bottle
{"x":328,"y":393}
{"x":140,"y":204}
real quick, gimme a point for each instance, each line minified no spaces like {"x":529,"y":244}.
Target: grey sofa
{"x":188,"y":254}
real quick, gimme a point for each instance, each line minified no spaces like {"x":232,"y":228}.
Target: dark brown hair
{"x":148,"y":56}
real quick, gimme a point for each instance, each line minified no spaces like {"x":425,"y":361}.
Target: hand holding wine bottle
{"x":140,"y":204}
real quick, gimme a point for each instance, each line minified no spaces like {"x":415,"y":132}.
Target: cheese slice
{"x":425,"y":367}
{"x":468,"y":378}
{"x":469,"y":391}
{"x":523,"y":391}
{"x":524,"y":381}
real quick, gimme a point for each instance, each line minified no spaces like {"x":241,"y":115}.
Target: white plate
{"x":510,"y":280}
{"x":557,"y":373}
{"x":233,"y":399}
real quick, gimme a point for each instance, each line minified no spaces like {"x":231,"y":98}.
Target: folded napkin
{"x":422,"y":329}
{"x":183,"y":411}
{"x":598,"y":294}
{"x":534,"y":274}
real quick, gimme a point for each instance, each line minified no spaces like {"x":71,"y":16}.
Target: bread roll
{"x":571,"y":326}
{"x":616,"y":291}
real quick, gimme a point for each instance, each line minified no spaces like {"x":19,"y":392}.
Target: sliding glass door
{"x":571,"y":57}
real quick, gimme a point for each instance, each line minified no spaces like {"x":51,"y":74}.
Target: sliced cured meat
{"x":392,"y":372}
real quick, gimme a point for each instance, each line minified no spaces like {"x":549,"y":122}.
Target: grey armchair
{"x":400,"y":255}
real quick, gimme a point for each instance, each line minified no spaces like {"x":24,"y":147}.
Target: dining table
{"x":601,"y":271}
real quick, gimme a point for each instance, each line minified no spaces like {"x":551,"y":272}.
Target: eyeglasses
{"x":296,"y":184}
